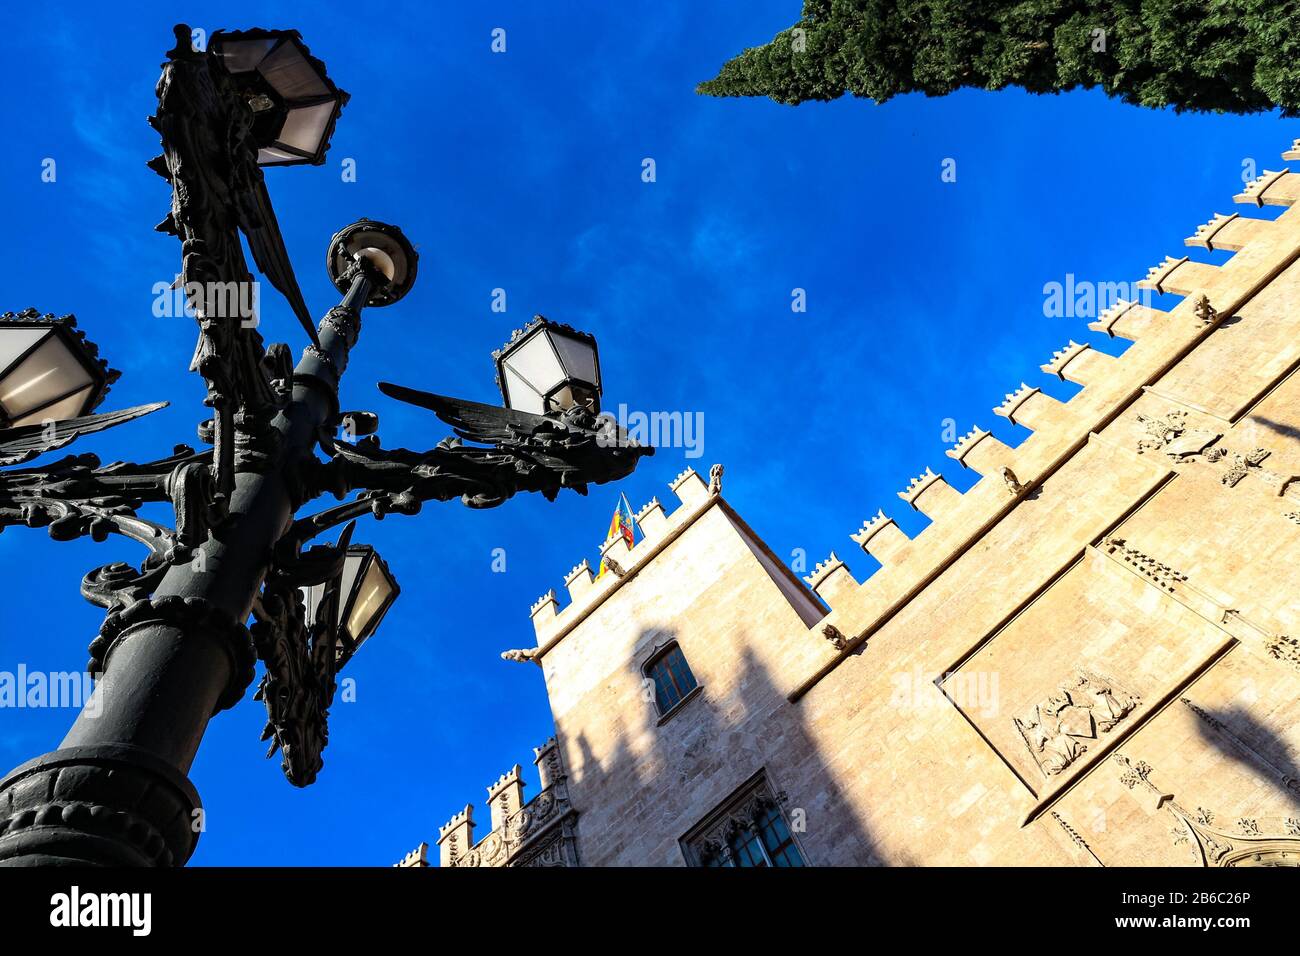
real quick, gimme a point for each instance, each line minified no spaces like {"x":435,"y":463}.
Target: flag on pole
{"x":622,"y":524}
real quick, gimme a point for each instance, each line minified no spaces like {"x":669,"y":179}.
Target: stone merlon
{"x":831,"y":579}
{"x":1231,"y":232}
{"x":1179,"y":276}
{"x":1030,"y":407}
{"x":929,"y":494}
{"x":689,"y":487}
{"x":1128,"y":320}
{"x":506,"y":796}
{"x":881,"y":538}
{"x":579,"y":581}
{"x":456,"y":836}
{"x":1079,"y":363}
{"x":981,"y":452}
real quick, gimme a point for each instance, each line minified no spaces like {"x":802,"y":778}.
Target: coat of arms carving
{"x":1058,"y":728}
{"x":1171,"y":434}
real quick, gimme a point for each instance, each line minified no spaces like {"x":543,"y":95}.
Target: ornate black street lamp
{"x":174,"y":648}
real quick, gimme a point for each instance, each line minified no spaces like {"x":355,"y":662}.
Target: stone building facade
{"x":1086,"y":659}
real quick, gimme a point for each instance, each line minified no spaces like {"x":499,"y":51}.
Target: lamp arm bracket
{"x":76,"y":496}
{"x":545,"y":459}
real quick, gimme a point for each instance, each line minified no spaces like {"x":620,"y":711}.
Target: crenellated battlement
{"x":1269,"y":188}
{"x":1024,"y":575}
{"x":516,"y":824}
{"x":657,"y":528}
{"x":1060,"y":429}
{"x":1079,"y":363}
{"x":1179,"y":276}
{"x":1128,"y":320}
{"x":418,"y":857}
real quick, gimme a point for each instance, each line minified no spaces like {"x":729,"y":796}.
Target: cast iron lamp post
{"x":174,"y":649}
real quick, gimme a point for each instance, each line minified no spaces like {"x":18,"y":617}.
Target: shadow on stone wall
{"x":636,"y":801}
{"x":1240,"y":736}
{"x":1284,"y":429}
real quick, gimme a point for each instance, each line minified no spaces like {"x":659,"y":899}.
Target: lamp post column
{"x":116,"y":791}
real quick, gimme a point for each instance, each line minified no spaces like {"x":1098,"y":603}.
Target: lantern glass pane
{"x":579,"y":358}
{"x":48,"y":373}
{"x":522,"y":395}
{"x":351,"y":567}
{"x":304,"y":128}
{"x":240,"y":56}
{"x":371,"y":596}
{"x":311,"y":600}
{"x":563,"y":399}
{"x":290,"y":75}
{"x":270,"y":156}
{"x":535,"y":360}
{"x":69,"y":407}
{"x":14,"y":342}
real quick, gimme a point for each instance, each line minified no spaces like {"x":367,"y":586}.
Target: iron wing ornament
{"x":23,"y":443}
{"x":523,"y":453}
{"x":543,"y":453}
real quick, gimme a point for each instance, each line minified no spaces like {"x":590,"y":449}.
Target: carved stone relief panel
{"x":1208,"y":779}
{"x":1065,"y":679}
{"x":1059,"y":729}
{"x":1170,"y":434}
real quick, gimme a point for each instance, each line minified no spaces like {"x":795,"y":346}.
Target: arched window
{"x":762,"y":841}
{"x":748,"y":830}
{"x":672,"y":677}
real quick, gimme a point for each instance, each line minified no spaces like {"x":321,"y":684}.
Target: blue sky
{"x":522,"y":171}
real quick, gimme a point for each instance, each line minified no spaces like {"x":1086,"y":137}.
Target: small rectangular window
{"x":672,"y":678}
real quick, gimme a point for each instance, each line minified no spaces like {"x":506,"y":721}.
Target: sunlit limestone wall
{"x":1087,"y":658}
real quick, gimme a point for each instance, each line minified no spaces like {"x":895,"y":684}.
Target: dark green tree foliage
{"x":1236,"y":56}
